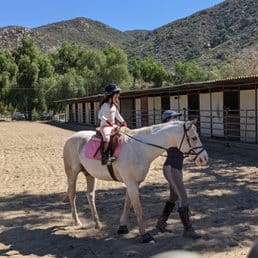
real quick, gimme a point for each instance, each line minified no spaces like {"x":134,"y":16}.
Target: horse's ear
{"x":191,"y":122}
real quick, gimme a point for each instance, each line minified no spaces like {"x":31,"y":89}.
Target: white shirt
{"x":107,"y":112}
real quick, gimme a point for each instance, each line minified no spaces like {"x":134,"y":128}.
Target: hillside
{"x":209,"y":37}
{"x":81,"y":31}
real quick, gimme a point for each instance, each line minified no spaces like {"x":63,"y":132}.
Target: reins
{"x":147,"y":143}
{"x":190,"y":152}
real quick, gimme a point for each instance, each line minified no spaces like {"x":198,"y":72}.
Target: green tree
{"x":189,"y":72}
{"x":65,"y":87}
{"x":149,"y":71}
{"x":8,"y":71}
{"x":90,"y":65}
{"x":115,"y":69}
{"x":66,"y":58}
{"x":32,"y":67}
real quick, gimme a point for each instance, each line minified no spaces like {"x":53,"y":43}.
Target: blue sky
{"x":119,"y":14}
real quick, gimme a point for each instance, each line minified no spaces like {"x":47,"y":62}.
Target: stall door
{"x":128,"y":112}
{"x":247,"y":116}
{"x":231,"y":115}
{"x":194,"y":109}
{"x":193,"y":106}
{"x":144,"y":111}
{"x":165,"y":102}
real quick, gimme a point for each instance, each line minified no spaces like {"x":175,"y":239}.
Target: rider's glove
{"x":109,"y":122}
{"x":123,"y":124}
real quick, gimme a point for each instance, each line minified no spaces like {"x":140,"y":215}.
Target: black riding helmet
{"x":111,"y":89}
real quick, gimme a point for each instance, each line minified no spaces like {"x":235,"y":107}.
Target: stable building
{"x":224,"y":108}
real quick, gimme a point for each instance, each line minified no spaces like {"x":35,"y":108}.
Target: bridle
{"x":192,"y":151}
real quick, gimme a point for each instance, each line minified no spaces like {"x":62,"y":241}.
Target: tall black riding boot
{"x":110,"y":156}
{"x":162,"y":221}
{"x":104,"y":154}
{"x":188,"y":228}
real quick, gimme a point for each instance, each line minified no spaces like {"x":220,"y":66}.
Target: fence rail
{"x":235,"y":125}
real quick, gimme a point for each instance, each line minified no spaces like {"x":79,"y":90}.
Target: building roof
{"x":239,"y":82}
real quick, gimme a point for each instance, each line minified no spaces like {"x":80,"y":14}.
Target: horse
{"x":141,"y":146}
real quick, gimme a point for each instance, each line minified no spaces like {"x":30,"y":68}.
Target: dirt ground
{"x":35,"y":221}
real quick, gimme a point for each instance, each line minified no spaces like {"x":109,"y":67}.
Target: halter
{"x":192,"y":150}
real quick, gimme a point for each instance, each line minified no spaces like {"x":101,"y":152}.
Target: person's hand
{"x":123,"y":124}
{"x":109,"y":122}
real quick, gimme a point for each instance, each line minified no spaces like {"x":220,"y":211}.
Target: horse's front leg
{"x":123,"y":229}
{"x":91,"y":185}
{"x":133,"y":192}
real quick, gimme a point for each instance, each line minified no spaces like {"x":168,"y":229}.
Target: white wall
{"x":73,"y":112}
{"x":183,"y":104}
{"x":80,"y":113}
{"x":87,"y":113}
{"x":67,"y":113}
{"x":96,"y":109}
{"x":247,"y":116}
{"x":217,"y":114}
{"x":174,"y":105}
{"x":205,"y":114}
{"x":154,"y":110}
{"x":158,"y":111}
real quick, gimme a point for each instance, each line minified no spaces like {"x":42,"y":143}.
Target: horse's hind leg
{"x":91,"y":185}
{"x":72,"y":175}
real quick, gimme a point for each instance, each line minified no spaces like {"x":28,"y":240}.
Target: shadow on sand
{"x":225,"y":202}
{"x":225,"y":220}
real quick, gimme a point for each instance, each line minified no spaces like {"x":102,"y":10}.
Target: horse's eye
{"x":194,"y":138}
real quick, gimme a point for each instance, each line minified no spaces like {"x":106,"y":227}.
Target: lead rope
{"x":147,"y":143}
{"x":190,"y":152}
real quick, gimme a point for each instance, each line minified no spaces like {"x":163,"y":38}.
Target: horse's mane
{"x":150,"y":129}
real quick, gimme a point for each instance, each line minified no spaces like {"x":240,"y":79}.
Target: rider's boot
{"x":104,"y":154}
{"x":162,"y":221}
{"x":110,"y":157}
{"x":188,"y":228}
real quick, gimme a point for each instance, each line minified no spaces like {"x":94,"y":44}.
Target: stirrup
{"x":111,"y":158}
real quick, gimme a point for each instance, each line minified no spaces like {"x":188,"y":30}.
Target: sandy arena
{"x":35,"y":218}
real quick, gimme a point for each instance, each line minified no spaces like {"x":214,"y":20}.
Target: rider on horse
{"x":108,"y":114}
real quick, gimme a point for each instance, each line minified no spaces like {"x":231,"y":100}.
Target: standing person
{"x":172,"y":170}
{"x":108,"y":114}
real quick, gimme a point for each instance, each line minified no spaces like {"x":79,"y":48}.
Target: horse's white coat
{"x":131,"y":167}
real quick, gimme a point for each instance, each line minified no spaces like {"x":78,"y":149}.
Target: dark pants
{"x":176,"y":185}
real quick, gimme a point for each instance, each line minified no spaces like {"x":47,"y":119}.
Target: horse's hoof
{"x":98,"y":226}
{"x":123,"y":230}
{"x":77,"y":223}
{"x":147,"y":238}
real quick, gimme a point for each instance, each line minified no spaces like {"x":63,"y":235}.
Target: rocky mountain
{"x":210,"y":37}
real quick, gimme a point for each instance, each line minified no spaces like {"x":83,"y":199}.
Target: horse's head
{"x":190,"y":144}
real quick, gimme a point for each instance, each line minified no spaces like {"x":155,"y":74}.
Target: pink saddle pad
{"x":92,"y":149}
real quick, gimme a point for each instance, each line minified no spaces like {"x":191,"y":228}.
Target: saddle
{"x":114,"y":138}
{"x":93,"y":146}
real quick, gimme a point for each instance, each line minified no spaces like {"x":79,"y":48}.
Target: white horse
{"x":140,"y":148}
